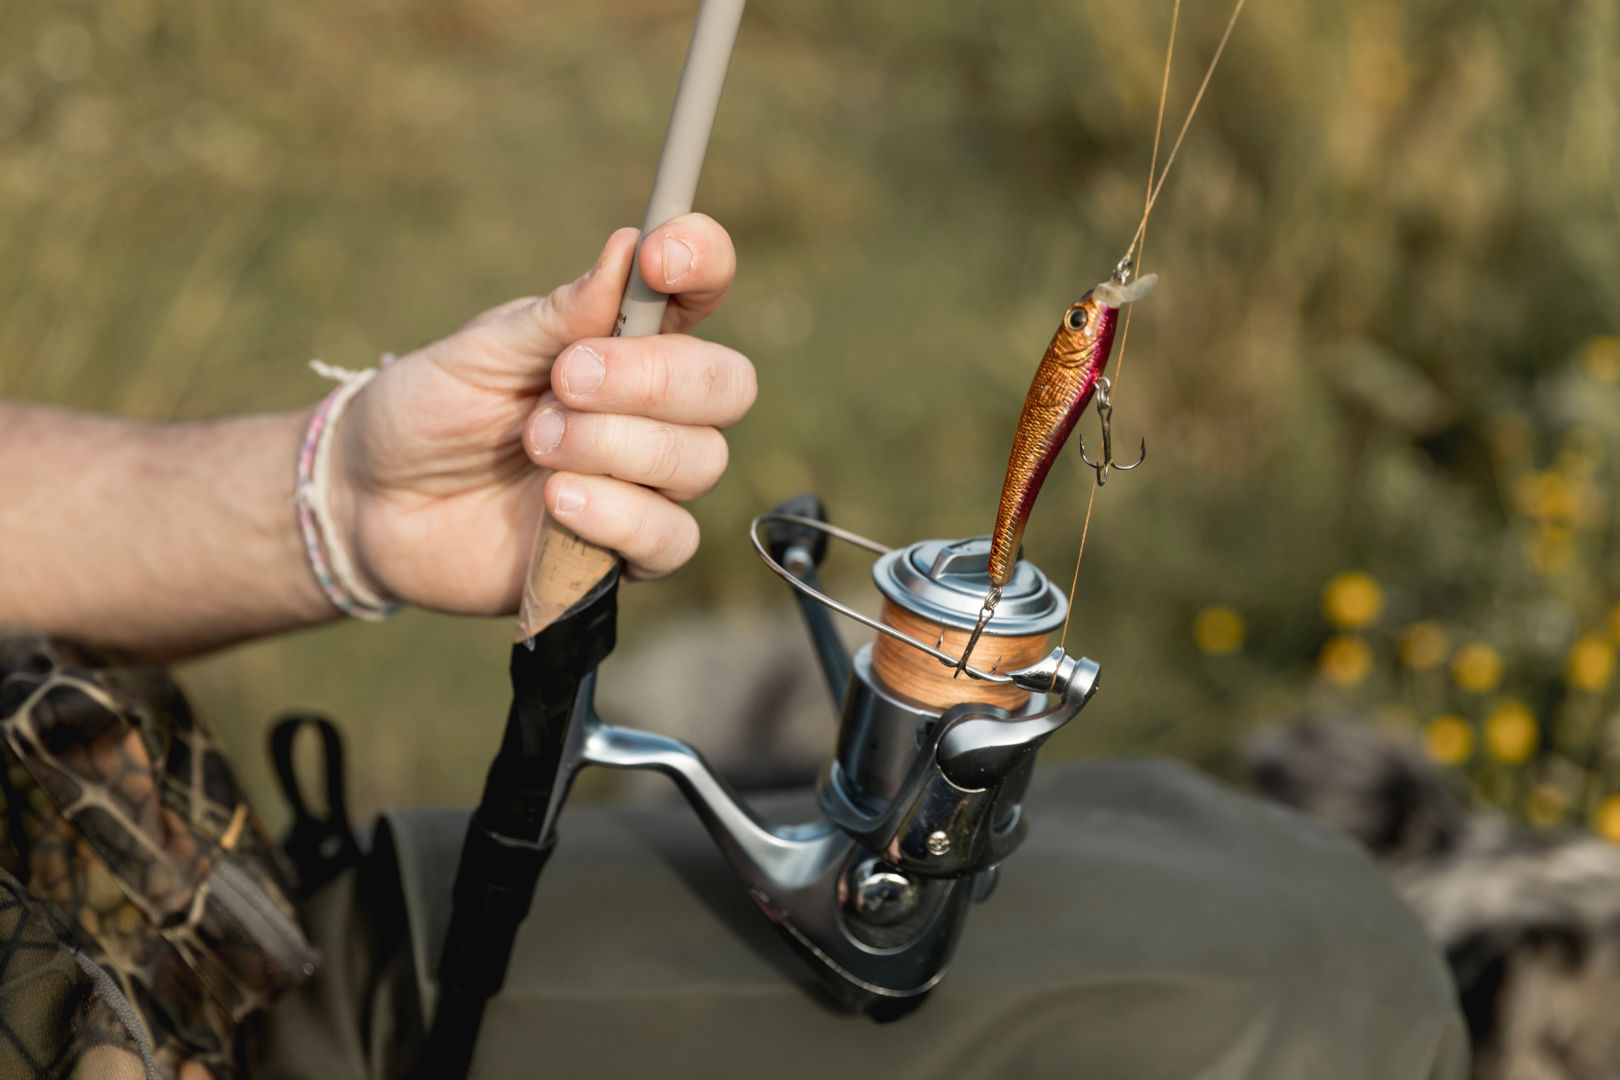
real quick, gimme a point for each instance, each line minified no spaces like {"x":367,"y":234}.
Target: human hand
{"x":446,"y":458}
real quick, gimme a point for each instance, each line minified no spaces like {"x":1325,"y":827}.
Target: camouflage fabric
{"x":54,"y":1023}
{"x":122,"y":821}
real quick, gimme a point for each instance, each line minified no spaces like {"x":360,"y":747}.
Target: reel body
{"x":923,"y":800}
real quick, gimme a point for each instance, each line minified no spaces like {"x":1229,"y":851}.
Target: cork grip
{"x":562,"y":570}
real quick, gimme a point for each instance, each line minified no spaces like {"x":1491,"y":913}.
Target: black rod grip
{"x":504,"y":850}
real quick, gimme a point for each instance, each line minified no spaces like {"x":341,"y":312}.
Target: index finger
{"x":670,"y":377}
{"x":691,"y":258}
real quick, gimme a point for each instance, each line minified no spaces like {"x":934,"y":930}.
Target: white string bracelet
{"x":328,"y":557}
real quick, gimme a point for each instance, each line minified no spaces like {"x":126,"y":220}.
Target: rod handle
{"x":563,"y":568}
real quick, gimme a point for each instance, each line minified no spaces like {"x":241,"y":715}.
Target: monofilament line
{"x":1138,"y":240}
{"x":1063,"y":639}
{"x":1185,"y":124}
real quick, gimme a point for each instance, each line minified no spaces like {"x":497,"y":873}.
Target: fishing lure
{"x":1064,"y":385}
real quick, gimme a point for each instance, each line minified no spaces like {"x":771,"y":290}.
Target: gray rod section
{"x":696,"y":100}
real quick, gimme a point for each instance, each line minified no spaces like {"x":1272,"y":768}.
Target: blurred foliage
{"x":1506,"y":670}
{"x":1391,"y":235}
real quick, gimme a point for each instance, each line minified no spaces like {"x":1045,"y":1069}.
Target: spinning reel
{"x":921,"y":803}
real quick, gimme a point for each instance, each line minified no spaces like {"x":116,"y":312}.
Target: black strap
{"x":320,"y":847}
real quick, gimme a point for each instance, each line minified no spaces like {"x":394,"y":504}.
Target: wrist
{"x":353,"y":499}
{"x":330,"y":506}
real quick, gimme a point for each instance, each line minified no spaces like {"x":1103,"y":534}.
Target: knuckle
{"x":502,"y":311}
{"x":713,"y":457}
{"x":662,"y":451}
{"x":539,"y":314}
{"x":612,"y":441}
{"x":733,"y":386}
{"x":676,"y":541}
{"x":704,"y":457}
{"x":717,"y":380}
{"x":657,"y":376}
{"x":648,"y":539}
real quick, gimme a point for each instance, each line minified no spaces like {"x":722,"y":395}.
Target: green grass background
{"x":1391,"y":225}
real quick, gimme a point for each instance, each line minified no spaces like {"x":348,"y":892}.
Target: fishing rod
{"x":566,"y":627}
{"x":923,"y":800}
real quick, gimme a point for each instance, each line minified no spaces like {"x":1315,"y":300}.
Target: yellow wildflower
{"x":1559,"y":498}
{"x":1477,"y":667}
{"x":1614,"y":623}
{"x":1549,"y":497}
{"x":1345,"y":660}
{"x":1591,"y":663}
{"x":1607,"y":818}
{"x":1424,"y":646}
{"x":1511,"y":735}
{"x":1546,"y":804}
{"x":1601,"y":357}
{"x":1218,"y":630}
{"x":1352,"y":600}
{"x":1449,"y":739}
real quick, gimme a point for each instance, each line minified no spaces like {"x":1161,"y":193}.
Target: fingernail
{"x":677,"y":259}
{"x":583,"y":372}
{"x":570,"y":497}
{"x":546,"y":431}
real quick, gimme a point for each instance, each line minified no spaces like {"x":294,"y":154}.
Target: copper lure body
{"x":1063,"y":387}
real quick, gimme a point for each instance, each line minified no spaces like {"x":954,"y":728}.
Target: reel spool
{"x":903,"y":684}
{"x":934,"y":589}
{"x":932,"y":594}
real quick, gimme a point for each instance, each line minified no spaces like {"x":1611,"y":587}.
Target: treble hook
{"x":1105,"y":412}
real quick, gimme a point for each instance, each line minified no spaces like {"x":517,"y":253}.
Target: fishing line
{"x":1139,"y":240}
{"x":1125,"y":332}
{"x":1063,"y":639}
{"x":1158,"y":124}
{"x":1198,"y":98}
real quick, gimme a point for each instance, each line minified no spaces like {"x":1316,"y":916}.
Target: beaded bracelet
{"x":337,"y":578}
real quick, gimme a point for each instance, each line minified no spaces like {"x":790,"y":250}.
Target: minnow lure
{"x":1064,"y":385}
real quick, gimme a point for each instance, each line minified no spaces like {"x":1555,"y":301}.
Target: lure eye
{"x":1077,"y":318}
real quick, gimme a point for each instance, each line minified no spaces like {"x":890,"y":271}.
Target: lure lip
{"x":1117,"y":295}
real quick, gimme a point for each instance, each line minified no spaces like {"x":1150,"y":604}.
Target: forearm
{"x":156,"y":540}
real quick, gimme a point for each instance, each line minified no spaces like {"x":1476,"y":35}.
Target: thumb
{"x":529,"y":330}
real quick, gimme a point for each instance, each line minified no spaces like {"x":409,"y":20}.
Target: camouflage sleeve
{"x":62,"y":1017}
{"x":124,"y":824}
